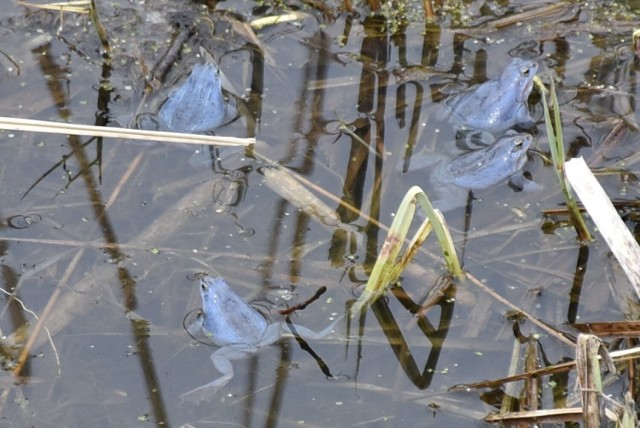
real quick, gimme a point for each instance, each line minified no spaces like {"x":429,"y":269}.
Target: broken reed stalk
{"x":597,"y":407}
{"x":390,"y":264}
{"x":556,"y":145}
{"x":621,"y":241}
{"x":590,"y":378}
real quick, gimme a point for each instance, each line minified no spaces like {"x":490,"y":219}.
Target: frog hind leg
{"x":448,"y":197}
{"x":473,"y":139}
{"x":520,"y":183}
{"x":221,"y":360}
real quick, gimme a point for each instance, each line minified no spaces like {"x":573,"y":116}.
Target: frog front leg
{"x":523,"y":117}
{"x":221,"y":360}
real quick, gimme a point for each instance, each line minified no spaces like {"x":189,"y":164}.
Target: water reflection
{"x":443,"y":296}
{"x":346,"y":140}
{"x":57,"y":78}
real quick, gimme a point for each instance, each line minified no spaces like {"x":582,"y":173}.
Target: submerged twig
{"x":535,"y":417}
{"x":284,"y":183}
{"x":303,"y":305}
{"x":260,"y":23}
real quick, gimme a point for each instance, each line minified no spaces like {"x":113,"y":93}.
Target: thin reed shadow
{"x":57,"y":76}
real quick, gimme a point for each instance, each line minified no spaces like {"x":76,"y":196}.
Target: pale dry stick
{"x":260,"y":23}
{"x":26,"y":275}
{"x":511,"y":256}
{"x":503,"y":229}
{"x":15,"y":124}
{"x":511,"y":306}
{"x":24,"y":355}
{"x":80,"y":6}
{"x":547,"y":271}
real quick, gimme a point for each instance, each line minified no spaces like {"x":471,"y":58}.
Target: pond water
{"x":100,"y":238}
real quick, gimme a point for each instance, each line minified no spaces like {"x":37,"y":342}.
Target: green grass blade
{"x":556,"y":146}
{"x":389,"y":265}
{"x":442,"y":234}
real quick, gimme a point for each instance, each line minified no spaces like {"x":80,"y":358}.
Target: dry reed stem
{"x":537,"y":416}
{"x":520,"y":18}
{"x":79,"y":6}
{"x":30,"y":125}
{"x":616,"y":356}
{"x":589,"y":378}
{"x":604,"y":215}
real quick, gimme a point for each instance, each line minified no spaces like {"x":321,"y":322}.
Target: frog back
{"x":496,"y":105}
{"x":198,"y":105}
{"x":485,"y":107}
{"x":227,"y":319}
{"x":481,"y":169}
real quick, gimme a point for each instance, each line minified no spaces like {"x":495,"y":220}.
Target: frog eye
{"x":519,"y":143}
{"x":203,"y":286}
{"x":525,"y":71}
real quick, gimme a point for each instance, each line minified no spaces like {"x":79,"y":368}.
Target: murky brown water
{"x":114,"y":228}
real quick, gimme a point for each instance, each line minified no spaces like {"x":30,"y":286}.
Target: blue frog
{"x":451,"y":179}
{"x":497,"y":105}
{"x":237,"y":328}
{"x":198,"y":105}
